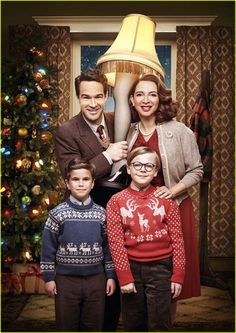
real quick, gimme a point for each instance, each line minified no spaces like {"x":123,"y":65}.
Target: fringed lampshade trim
{"x":119,"y":66}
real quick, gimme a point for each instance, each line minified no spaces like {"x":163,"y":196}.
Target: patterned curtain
{"x":212,"y":48}
{"x":58,"y":44}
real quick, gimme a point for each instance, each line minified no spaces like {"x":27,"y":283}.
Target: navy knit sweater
{"x":75,"y":242}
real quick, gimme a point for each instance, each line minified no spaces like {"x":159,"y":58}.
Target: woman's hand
{"x":128,"y":288}
{"x":163,"y":192}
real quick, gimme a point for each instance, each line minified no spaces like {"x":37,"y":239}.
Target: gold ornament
{"x":23,"y":132}
{"x":25,"y":163}
{"x":37,"y":76}
{"x":21,"y":100}
{"x":46,"y":135}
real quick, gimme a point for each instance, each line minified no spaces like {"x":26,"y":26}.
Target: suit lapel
{"x":87,"y":136}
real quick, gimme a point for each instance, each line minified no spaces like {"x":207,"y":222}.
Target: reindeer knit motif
{"x":75,"y":242}
{"x":144,"y":228}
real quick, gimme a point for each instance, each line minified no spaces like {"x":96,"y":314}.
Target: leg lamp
{"x":131,"y":54}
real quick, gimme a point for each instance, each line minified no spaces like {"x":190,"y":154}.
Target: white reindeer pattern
{"x":85,"y":248}
{"x":143,"y":223}
{"x":128,"y":212}
{"x":96,"y":247}
{"x":72,"y":249}
{"x":153,"y":205}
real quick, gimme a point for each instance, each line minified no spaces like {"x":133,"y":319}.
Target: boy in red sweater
{"x":147,"y":247}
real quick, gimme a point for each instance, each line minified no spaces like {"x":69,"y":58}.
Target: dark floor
{"x":212,"y":312}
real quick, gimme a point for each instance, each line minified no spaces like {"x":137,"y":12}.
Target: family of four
{"x":142,"y":248}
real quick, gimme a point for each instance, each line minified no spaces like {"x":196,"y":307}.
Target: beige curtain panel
{"x":212,"y":48}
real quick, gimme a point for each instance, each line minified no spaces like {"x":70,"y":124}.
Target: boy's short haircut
{"x":77,"y":164}
{"x":140,"y":151}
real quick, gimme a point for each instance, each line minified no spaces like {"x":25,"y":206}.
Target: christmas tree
{"x":29,"y":186}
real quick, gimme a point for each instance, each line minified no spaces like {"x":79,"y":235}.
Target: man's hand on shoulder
{"x":117,"y":151}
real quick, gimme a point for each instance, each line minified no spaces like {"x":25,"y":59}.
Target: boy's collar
{"x":80,"y":203}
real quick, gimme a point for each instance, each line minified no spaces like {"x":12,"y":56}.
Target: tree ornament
{"x":36,"y":189}
{"x":37,"y":238}
{"x":45,"y":200}
{"x":19,"y":145}
{"x":37,"y":164}
{"x":38,"y":88}
{"x":5,"y":190}
{"x":46,"y":136}
{"x":7,"y":212}
{"x":37,"y":76}
{"x":25,"y":164}
{"x":35,"y":212}
{"x":18,"y":163}
{"x":45,"y":124}
{"x":21,"y":100}
{"x":44,"y":84}
{"x":45,"y":104}
{"x":7,"y":121}
{"x":6,"y":151}
{"x":43,"y":113}
{"x":34,"y":132}
{"x":6,"y":131}
{"x":26,"y":200}
{"x":10,"y":260}
{"x":22,"y":132}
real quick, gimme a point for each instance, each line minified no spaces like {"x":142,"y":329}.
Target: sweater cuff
{"x":49,"y":276}
{"x":124,"y":277}
{"x":178,"y":275}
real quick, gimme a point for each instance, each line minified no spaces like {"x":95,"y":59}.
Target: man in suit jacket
{"x":89,"y":135}
{"x":78,"y":137}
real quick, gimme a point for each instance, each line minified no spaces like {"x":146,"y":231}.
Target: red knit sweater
{"x":144,"y":228}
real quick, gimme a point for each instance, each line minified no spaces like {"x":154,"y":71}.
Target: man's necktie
{"x":101,"y":134}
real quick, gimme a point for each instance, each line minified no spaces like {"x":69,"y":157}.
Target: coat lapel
{"x":87,"y":136}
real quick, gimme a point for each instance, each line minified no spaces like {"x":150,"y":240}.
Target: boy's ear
{"x":67,"y":184}
{"x":156,"y":172}
{"x":128,"y":169}
{"x":93,"y":183}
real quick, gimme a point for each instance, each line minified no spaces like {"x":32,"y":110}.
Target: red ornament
{"x":6,"y":131}
{"x":6,"y":212}
{"x":44,"y":84}
{"x":19,"y":145}
{"x":10,"y":260}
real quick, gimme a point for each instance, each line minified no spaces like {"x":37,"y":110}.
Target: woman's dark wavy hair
{"x":167,"y":108}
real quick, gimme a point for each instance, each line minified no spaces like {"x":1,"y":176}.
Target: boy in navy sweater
{"x":75,"y":259}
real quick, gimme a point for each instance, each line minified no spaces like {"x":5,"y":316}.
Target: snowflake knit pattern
{"x":144,"y":228}
{"x":75,"y":242}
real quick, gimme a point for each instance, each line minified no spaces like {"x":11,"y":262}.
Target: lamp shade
{"x":133,"y":50}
